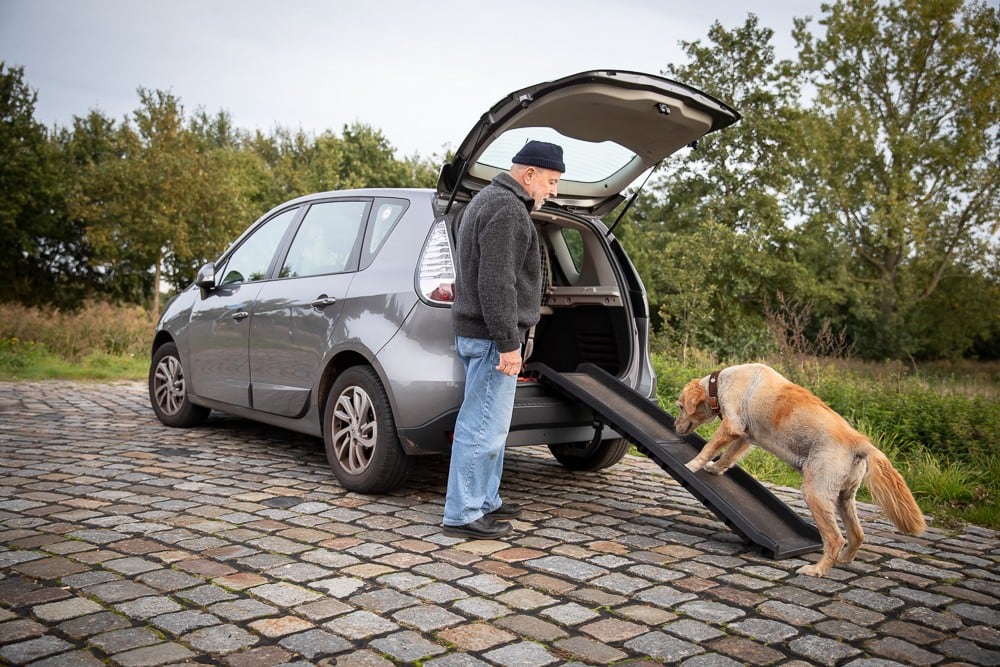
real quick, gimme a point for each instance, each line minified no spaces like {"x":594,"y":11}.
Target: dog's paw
{"x":715,"y":468}
{"x":693,"y":465}
{"x":812,"y":570}
{"x":846,"y":554}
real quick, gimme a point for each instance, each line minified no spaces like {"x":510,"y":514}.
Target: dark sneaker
{"x":506,"y":511}
{"x":483,"y":528}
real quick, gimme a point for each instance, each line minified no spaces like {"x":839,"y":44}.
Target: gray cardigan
{"x":499,"y":282}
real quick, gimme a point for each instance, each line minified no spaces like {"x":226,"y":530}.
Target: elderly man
{"x":498,"y":298}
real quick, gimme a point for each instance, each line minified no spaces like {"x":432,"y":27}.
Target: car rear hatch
{"x":613,"y":126}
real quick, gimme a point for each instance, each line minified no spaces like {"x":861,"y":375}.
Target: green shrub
{"x":71,"y":335}
{"x":950,"y":426}
{"x":16,"y":355}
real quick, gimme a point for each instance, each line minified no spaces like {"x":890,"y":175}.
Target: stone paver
{"x":123,"y":542}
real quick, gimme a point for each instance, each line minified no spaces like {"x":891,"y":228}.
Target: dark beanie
{"x":541,"y":154}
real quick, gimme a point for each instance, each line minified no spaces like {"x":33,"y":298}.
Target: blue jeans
{"x":480,"y":433}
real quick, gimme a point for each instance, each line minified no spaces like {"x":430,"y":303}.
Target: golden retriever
{"x":758,"y":406}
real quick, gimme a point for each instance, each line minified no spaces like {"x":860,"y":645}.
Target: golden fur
{"x":761,"y":407}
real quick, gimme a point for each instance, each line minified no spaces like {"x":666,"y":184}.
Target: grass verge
{"x":20,"y":361}
{"x":99,"y":341}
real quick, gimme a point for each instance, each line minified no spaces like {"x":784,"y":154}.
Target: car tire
{"x":359,"y":432}
{"x":168,"y":390}
{"x":577,"y":457}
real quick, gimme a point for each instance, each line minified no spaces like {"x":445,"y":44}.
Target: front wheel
{"x":581,"y":457}
{"x":359,"y":433}
{"x":168,"y":390}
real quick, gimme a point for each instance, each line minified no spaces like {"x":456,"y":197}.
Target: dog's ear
{"x":693,"y":396}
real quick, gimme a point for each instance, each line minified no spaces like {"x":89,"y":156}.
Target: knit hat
{"x":541,"y":154}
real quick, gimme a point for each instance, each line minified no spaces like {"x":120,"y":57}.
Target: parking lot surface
{"x":124,"y":542}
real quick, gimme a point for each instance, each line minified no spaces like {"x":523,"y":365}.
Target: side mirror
{"x":206,"y":276}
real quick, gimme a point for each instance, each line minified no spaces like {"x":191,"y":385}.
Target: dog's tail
{"x":891,"y":493}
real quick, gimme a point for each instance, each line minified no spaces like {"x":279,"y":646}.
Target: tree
{"x":370,"y":160}
{"x":221,"y":201}
{"x":162,"y":205}
{"x":360,"y":158}
{"x":899,"y":158}
{"x":28,"y":193}
{"x":711,"y":241}
{"x":90,"y":140}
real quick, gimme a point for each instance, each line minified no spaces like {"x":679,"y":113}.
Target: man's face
{"x":541,"y":184}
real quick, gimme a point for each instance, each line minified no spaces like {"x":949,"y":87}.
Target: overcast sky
{"x":422,"y":72}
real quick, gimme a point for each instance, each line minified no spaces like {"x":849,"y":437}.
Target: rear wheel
{"x":580,"y":456}
{"x":168,"y":390}
{"x":360,"y":436}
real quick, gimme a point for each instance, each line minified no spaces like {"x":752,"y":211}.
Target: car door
{"x":221,"y":317}
{"x":296,"y":318}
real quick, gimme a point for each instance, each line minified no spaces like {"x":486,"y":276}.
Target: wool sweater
{"x":499,"y":279}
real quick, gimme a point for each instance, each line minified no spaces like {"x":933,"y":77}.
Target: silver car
{"x":331,"y":314}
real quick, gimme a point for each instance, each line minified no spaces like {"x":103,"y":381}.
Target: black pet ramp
{"x":743,"y":503}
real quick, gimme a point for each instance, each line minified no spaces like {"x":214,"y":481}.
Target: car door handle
{"x":241,"y":315}
{"x":323,"y":301}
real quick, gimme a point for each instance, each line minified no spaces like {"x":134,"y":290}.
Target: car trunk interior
{"x":569,"y":336}
{"x":584,"y":316}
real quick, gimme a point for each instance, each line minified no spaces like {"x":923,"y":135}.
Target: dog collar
{"x":713,"y":393}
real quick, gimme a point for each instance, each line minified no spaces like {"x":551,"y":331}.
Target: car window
{"x":251,"y":260}
{"x":386,"y":214}
{"x":574,"y":243}
{"x":586,"y":161}
{"x":327,"y":240}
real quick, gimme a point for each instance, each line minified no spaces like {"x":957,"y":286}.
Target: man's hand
{"x":510,"y":362}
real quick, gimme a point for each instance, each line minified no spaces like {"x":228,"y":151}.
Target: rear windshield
{"x":586,"y":162}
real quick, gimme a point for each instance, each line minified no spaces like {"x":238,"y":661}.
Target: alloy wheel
{"x":168,"y":385}
{"x":354,"y":430}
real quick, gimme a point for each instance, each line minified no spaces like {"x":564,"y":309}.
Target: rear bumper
{"x":540,"y":417}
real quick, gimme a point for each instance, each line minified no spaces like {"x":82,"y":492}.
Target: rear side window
{"x":327,"y":240}
{"x":385,"y":214}
{"x":574,"y":243}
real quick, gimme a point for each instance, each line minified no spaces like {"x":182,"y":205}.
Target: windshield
{"x":586,"y":162}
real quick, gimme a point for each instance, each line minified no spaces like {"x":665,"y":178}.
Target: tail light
{"x":436,"y":270}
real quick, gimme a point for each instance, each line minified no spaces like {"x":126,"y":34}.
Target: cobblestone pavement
{"x":124,"y":542}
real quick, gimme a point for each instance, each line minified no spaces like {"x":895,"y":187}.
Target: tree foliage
{"x":115,"y":209}
{"x":711,"y":241}
{"x":863,"y":180}
{"x":29,"y":224}
{"x":901,"y":159}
